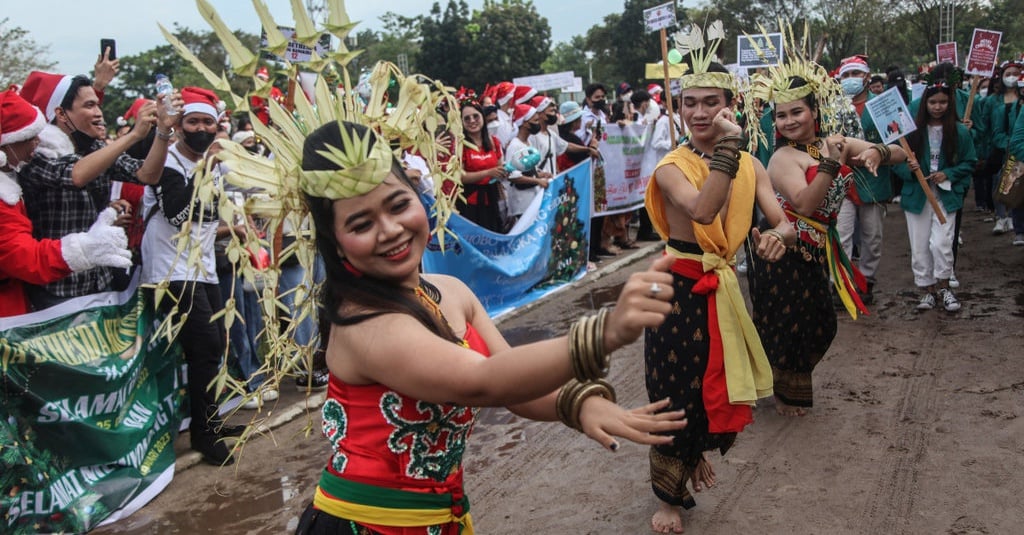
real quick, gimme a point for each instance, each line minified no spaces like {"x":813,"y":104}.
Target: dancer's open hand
{"x":602,"y":420}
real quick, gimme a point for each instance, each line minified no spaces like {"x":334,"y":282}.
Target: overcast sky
{"x":73,"y":28}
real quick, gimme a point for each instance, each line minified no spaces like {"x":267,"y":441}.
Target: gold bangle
{"x":586,"y":347}
{"x":569,"y":401}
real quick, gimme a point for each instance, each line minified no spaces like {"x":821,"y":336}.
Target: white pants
{"x":931,"y":245}
{"x":870,"y":216}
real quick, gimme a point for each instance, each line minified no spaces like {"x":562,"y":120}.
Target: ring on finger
{"x":655,"y":289}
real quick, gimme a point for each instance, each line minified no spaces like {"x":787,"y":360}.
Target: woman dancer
{"x":400,"y":408}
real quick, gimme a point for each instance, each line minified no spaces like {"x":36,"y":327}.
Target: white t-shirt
{"x":518,"y":199}
{"x":550,"y":146}
{"x":160,"y":258}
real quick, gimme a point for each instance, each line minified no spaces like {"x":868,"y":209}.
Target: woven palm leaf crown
{"x":401,"y":114}
{"x":775,"y":89}
{"x":702,"y":53}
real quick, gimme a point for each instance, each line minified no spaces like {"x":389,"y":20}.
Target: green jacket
{"x":1001,"y":122}
{"x":958,"y":172}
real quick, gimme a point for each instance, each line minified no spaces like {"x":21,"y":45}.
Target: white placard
{"x":890,"y":115}
{"x":658,"y":17}
{"x":576,"y":87}
{"x":296,"y":51}
{"x":544,"y":82}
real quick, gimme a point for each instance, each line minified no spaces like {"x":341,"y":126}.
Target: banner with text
{"x":89,"y":411}
{"x":984,"y":52}
{"x":546,"y":250}
{"x":618,"y":186}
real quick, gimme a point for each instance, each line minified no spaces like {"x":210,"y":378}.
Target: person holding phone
{"x":106,"y":67}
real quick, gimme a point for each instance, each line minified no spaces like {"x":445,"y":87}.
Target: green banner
{"x":90,"y":406}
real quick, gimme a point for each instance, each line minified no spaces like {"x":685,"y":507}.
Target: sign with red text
{"x":660,"y":17}
{"x":981,"y":59}
{"x":946,"y":53}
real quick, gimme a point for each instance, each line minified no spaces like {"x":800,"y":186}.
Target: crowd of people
{"x":85,"y":206}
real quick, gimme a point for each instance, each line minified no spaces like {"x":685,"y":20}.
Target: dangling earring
{"x":349,"y":267}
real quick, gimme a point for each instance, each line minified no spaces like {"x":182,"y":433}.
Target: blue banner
{"x":545,"y":251}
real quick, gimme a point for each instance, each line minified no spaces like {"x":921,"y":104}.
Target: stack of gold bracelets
{"x":727,"y":156}
{"x":829,"y":166}
{"x":590,"y":363}
{"x":884,"y":150}
{"x":571,"y":396}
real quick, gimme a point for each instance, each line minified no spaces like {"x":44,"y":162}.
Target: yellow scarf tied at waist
{"x":748,"y":375}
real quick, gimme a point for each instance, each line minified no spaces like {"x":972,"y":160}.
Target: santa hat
{"x":523,"y":93}
{"x":655,"y":91}
{"x":46,"y":91}
{"x":503,"y":92}
{"x":262,"y":73}
{"x":243,"y":135}
{"x":857,"y":63}
{"x":19,"y":121}
{"x":540,"y":102}
{"x":522,"y":113}
{"x":130,"y":115}
{"x":199,"y":100}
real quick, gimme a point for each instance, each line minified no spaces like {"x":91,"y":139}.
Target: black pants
{"x":203,"y":342}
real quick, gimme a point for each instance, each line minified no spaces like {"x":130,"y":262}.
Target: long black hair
{"x":949,"y":124}
{"x":346,"y":292}
{"x":486,"y":145}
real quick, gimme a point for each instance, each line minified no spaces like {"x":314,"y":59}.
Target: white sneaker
{"x":927,"y":302}
{"x":1003,"y":225}
{"x":953,"y":282}
{"x":1018,"y":239}
{"x":256,"y":402}
{"x":949,"y":301}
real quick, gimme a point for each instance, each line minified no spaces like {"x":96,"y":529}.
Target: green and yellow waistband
{"x":389,"y":507}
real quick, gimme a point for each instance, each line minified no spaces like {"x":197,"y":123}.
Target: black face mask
{"x":533,"y":128}
{"x":599,"y":104}
{"x":199,"y":141}
{"x":552,"y":119}
{"x":82,"y":141}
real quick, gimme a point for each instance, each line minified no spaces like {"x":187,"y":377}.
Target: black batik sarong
{"x":676,"y":357}
{"x":795,"y":318}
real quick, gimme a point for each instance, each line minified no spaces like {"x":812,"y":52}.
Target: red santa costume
{"x":23,"y":259}
{"x":260,"y":105}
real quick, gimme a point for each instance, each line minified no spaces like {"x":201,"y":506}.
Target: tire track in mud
{"x":895,"y":489}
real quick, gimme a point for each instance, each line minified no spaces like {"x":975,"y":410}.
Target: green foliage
{"x":445,"y":42}
{"x":21,"y":54}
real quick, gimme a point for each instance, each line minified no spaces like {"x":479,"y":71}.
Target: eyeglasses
{"x":472,"y":118}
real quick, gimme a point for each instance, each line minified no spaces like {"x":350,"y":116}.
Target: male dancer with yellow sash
{"x":706,"y":357}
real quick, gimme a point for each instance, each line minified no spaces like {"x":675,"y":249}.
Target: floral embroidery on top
{"x":335,"y":427}
{"x":435,"y":443}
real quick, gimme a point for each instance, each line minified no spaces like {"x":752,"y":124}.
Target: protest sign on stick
{"x":981,"y":61}
{"x":946,"y":53}
{"x":657,"y":19}
{"x":890,"y":115}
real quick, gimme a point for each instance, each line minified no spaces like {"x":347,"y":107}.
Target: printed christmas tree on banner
{"x":569,"y":241}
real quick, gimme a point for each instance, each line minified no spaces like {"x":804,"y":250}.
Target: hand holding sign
{"x":891,"y":118}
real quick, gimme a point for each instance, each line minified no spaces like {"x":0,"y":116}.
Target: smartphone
{"x":108,"y":43}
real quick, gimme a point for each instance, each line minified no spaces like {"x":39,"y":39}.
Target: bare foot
{"x":788,"y":410}
{"x":703,"y":476}
{"x":667,"y":519}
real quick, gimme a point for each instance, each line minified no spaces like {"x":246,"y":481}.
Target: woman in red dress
{"x":482,"y":168}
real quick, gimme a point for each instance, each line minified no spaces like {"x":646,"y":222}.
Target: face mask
{"x":626,"y":97}
{"x":1010,"y":81}
{"x":533,"y":128}
{"x":852,"y":86}
{"x":598,"y":104}
{"x":82,"y":141}
{"x":551,"y":119}
{"x":15,"y":168}
{"x":983,"y":92}
{"x":199,"y":141}
{"x":492,"y":127}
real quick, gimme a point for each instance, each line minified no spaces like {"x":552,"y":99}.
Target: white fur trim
{"x":28,"y":132}
{"x":54,"y":143}
{"x":57,"y":96}
{"x":504,"y":100}
{"x":10,"y":190}
{"x":73,"y":251}
{"x":525,"y":98}
{"x":198,"y":107}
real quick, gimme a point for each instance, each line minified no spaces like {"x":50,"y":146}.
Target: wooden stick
{"x":923,"y":181}
{"x":975,"y":81}
{"x":667,"y":91}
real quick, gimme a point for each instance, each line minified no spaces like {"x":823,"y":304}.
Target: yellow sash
{"x":387,"y":516}
{"x":748,"y":374}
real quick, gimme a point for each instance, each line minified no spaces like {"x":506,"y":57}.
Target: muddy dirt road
{"x":917,"y":429}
